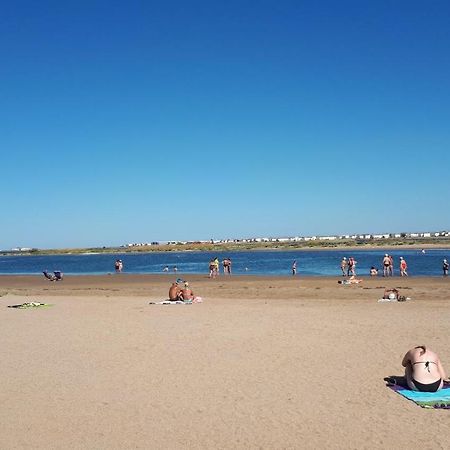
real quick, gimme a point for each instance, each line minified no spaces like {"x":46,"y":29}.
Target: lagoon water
{"x":271,"y":262}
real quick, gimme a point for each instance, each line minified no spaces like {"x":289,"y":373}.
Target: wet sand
{"x":263,"y":362}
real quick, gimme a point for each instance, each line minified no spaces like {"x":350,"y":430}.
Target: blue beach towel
{"x":433,"y":400}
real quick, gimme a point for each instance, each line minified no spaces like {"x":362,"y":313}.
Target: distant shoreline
{"x":223,"y":248}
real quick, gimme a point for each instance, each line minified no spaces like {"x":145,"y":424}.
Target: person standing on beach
{"x":344,"y":266}
{"x":294,"y":267}
{"x":403,"y":267}
{"x":445,"y":267}
{"x":386,"y":265}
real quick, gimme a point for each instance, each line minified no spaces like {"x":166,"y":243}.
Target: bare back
{"x":187,"y":294}
{"x":425,"y":366}
{"x":174,"y":292}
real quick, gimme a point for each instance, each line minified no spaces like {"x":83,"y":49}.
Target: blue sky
{"x":151,"y":121}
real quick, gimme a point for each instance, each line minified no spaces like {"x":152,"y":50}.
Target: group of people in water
{"x":214,"y":265}
{"x":348,"y":266}
{"x":388,"y":266}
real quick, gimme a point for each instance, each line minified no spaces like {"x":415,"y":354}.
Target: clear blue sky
{"x":147,"y":121}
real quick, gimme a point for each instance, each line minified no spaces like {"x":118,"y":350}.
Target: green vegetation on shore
{"x":240,"y":246}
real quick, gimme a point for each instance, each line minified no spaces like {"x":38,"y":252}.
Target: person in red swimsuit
{"x":403,"y":267}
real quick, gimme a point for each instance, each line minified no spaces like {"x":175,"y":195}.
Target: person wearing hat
{"x":344,"y":266}
{"x":403,"y":267}
{"x":386,"y":264}
{"x":445,"y":267}
{"x":186,"y":292}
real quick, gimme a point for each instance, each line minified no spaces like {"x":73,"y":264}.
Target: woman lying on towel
{"x":351,"y":280}
{"x":423,"y":370}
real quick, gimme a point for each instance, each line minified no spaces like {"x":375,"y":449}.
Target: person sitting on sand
{"x":423,"y":370}
{"x":373,"y":272}
{"x":391,"y":294}
{"x":186,"y":293}
{"x":174,"y":292}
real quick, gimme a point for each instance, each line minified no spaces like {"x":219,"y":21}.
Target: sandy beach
{"x":263,"y":362}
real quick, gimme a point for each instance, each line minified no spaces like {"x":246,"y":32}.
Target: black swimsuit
{"x":428,"y":387}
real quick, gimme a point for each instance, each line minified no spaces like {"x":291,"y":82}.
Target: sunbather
{"x":187,"y":293}
{"x":354,"y":280}
{"x":351,"y":280}
{"x":423,"y":370}
{"x":174,"y":292}
{"x":391,"y":294}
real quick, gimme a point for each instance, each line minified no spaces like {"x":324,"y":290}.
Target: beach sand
{"x":263,"y":362}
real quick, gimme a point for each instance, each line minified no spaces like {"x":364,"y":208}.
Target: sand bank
{"x":262,"y":363}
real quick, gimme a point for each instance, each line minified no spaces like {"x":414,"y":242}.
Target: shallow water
{"x":312,"y":263}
